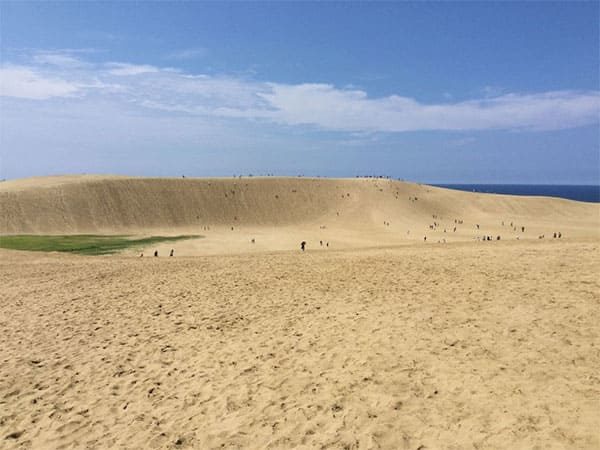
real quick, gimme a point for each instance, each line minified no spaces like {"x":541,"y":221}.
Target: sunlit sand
{"x":380,"y":339}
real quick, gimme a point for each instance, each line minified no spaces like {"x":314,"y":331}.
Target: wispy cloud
{"x":124,"y":69}
{"x":323,"y":106}
{"x":462,"y":142}
{"x":352,"y":110}
{"x":492,"y":91}
{"x":59,"y":59}
{"x":188,"y":53}
{"x":23,"y":82}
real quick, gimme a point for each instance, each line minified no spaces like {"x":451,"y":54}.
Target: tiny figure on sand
{"x":302,"y":245}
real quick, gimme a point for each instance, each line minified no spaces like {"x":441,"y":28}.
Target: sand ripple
{"x":465,"y":346}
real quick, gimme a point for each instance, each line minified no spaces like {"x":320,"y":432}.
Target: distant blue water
{"x":572,"y":192}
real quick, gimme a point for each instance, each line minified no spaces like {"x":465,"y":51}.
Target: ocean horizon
{"x":582,"y":193}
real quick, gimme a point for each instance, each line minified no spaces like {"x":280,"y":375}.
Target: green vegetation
{"x":84,"y":244}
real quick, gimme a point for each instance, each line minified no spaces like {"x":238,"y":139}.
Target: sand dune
{"x":280,"y":212}
{"x":381,"y":340}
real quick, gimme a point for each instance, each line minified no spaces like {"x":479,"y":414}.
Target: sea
{"x":582,"y":193}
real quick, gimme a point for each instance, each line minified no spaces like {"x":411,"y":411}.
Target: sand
{"x":281,"y":212}
{"x":380,"y":341}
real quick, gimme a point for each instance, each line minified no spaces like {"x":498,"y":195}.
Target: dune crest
{"x":360,"y":212}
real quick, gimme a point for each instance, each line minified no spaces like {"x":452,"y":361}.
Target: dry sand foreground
{"x":464,"y":345}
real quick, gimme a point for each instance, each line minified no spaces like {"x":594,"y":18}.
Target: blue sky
{"x":431,"y":92}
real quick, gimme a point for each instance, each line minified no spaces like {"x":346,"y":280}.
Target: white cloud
{"x":59,"y":59}
{"x":188,"y":53}
{"x":124,"y":69}
{"x":23,"y":82}
{"x":335,"y":109}
{"x":324,"y":106}
{"x":462,"y":142}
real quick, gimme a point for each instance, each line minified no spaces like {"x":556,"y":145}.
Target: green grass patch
{"x":83,"y":244}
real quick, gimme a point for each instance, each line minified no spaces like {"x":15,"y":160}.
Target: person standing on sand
{"x":302,"y":245}
{"x":155,"y":252}
{"x":171,"y":254}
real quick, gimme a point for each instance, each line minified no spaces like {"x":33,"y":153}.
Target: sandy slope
{"x":418,"y":347}
{"x":280,"y":212}
{"x":380,"y":340}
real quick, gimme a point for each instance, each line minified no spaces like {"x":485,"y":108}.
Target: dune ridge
{"x":112,"y":204}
